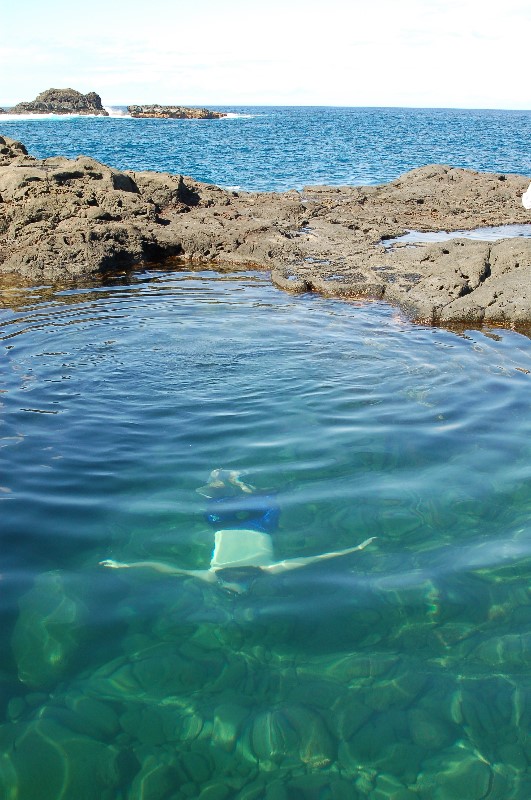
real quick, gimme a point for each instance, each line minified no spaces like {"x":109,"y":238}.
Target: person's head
{"x":237,"y":580}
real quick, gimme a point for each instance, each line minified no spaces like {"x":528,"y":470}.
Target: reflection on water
{"x":488,"y":234}
{"x":401,"y":671}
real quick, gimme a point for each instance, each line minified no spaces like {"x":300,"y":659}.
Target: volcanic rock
{"x":172,"y":112}
{"x":63,"y":101}
{"x":63,"y":218}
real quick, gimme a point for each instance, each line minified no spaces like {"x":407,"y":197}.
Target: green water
{"x":401,"y":671}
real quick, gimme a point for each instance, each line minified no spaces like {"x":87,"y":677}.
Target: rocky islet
{"x":172,"y":112}
{"x":70,"y":101}
{"x":62,"y":101}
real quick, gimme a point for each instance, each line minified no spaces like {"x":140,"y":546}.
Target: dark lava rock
{"x":173,"y":112}
{"x":63,"y":101}
{"x":72,"y":218}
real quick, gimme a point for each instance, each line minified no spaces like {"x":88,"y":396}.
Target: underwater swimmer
{"x":241,"y":554}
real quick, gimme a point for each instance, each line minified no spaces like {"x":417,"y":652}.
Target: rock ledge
{"x":62,"y":219}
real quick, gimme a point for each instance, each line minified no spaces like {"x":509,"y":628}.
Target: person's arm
{"x":295,"y":563}
{"x":159,"y":566}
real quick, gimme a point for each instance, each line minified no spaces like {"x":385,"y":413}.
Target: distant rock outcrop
{"x":63,"y":101}
{"x":173,"y":112}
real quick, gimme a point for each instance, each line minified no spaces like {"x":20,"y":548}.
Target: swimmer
{"x":241,"y":554}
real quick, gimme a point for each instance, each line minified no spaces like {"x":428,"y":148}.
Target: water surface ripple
{"x":402,"y":671}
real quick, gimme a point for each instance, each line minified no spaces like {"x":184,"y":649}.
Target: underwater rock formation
{"x":62,"y":763}
{"x":68,"y":218}
{"x":212,"y":711}
{"x":48,"y":631}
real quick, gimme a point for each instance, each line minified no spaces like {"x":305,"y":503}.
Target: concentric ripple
{"x":401,"y":671}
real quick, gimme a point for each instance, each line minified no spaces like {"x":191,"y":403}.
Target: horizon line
{"x":8,"y":106}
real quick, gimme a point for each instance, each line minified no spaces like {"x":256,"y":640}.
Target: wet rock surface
{"x":63,"y":218}
{"x":62,"y":101}
{"x":172,"y":112}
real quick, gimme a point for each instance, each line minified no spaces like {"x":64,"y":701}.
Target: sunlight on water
{"x":401,"y":671}
{"x":275,"y":149}
{"x":489,"y":234}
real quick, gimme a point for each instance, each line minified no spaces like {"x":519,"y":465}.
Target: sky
{"x":413,"y":53}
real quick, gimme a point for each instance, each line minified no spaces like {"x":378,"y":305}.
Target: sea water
{"x":401,"y":671}
{"x":275,"y":149}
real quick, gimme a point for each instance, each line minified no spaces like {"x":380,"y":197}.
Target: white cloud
{"x":416,"y":52}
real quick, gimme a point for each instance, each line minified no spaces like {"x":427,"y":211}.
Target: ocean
{"x":277,"y":149}
{"x":401,"y":671}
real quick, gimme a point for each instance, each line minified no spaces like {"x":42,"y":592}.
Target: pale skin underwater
{"x":239,"y":554}
{"x":215,"y":572}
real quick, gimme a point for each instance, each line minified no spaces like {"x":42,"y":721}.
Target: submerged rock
{"x":510,"y":650}
{"x":389,"y":788}
{"x":48,"y":631}
{"x":62,"y":101}
{"x":228,"y":724}
{"x":455,"y":773}
{"x":153,"y":676}
{"x":293,"y":733}
{"x":316,"y":749}
{"x":157,"y":778}
{"x":429,"y":732}
{"x":317,"y":786}
{"x":273,"y":737}
{"x":50,"y":762}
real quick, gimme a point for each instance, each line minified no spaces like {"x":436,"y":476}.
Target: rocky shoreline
{"x":62,"y":219}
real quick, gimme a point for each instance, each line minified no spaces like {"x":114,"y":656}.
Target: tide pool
{"x":401,"y":671}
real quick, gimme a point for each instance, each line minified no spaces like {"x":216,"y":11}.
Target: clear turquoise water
{"x":285,"y":148}
{"x":402,"y":671}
